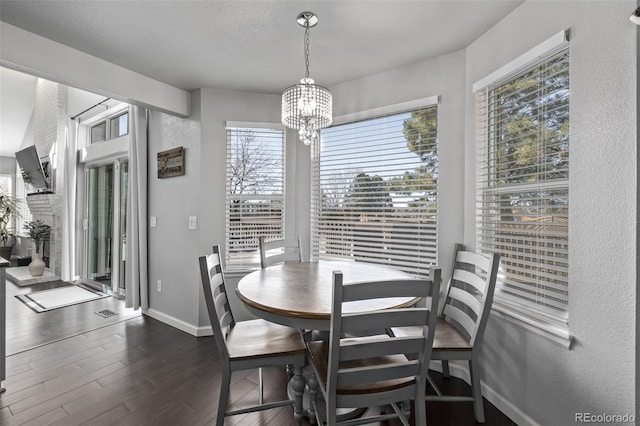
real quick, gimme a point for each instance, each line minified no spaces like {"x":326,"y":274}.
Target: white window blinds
{"x":523,"y":184}
{"x":254,"y":192}
{"x":375,"y":191}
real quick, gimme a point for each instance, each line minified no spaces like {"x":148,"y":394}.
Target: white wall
{"x":543,"y":381}
{"x":173,"y":248}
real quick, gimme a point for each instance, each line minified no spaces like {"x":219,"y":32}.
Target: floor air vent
{"x":106,"y":313}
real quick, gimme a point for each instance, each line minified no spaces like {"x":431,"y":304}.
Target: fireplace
{"x":47,"y":207}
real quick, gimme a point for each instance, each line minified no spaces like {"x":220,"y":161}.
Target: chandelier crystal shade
{"x":635,"y":16}
{"x":306,"y":106}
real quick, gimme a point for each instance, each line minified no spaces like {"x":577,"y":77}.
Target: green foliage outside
{"x":533,"y":134}
{"x":530,"y":125}
{"x":373,"y":193}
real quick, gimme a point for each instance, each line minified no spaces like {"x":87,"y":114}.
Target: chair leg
{"x":476,"y":391}
{"x":445,"y":368}
{"x":260,"y":387}
{"x":298,"y":391}
{"x":433,"y":385}
{"x":420,"y":406}
{"x":224,"y":397}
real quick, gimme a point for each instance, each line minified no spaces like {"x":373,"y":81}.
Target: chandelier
{"x":635,"y":16}
{"x":306,"y":106}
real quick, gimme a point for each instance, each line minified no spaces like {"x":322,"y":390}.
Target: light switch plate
{"x":153,"y":222}
{"x":193,"y":222}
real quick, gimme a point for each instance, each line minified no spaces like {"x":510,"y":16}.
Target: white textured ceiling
{"x":256,"y":45}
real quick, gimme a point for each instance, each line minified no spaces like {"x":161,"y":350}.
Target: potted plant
{"x":8,"y":213}
{"x":38,"y":231}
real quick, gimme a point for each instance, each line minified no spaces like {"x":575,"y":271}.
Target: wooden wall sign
{"x":171,"y":163}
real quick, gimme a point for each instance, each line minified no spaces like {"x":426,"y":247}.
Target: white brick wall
{"x":49,"y":132}
{"x":45,"y":116}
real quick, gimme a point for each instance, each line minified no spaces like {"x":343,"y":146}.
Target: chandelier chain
{"x":306,"y":49}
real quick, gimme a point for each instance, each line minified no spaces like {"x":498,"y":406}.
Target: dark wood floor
{"x":143,"y":372}
{"x":27,"y":329}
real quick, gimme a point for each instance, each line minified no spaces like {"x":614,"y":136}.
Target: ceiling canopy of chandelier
{"x":306,"y":106}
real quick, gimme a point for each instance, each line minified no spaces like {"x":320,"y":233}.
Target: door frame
{"x":114,"y":151}
{"x":115,"y":246}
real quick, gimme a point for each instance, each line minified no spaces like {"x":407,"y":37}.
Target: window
{"x":6,"y":183}
{"x":375,"y":191}
{"x":111,"y":128}
{"x":523,"y":186}
{"x":119,"y":125}
{"x":254,"y":192}
{"x":6,"y":188}
{"x":99,"y":132}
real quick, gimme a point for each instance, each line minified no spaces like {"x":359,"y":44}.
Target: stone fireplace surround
{"x":46,"y":207}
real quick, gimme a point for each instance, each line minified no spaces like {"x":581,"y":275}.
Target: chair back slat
{"x":226,"y":323}
{"x":221,"y":301}
{"x":380,"y":320}
{"x":383,"y":346}
{"x":215,"y":295}
{"x":461,"y":320}
{"x":467,"y":299}
{"x":276,"y":258}
{"x":467,"y":277}
{"x":384,"y":289}
{"x":376,"y":373}
{"x":225,"y":318}
{"x":279,"y":251}
{"x":473,"y":258}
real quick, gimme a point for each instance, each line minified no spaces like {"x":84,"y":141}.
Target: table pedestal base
{"x":343,"y":413}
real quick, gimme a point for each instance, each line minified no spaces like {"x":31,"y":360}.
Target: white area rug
{"x":46,"y":300}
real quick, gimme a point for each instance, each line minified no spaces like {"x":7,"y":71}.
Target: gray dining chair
{"x":249,"y":344}
{"x":279,"y":251}
{"x":374,"y":369}
{"x":273,"y":252}
{"x":462,"y":320}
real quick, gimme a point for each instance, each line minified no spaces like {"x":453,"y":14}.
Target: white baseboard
{"x":501,"y":403}
{"x":179,"y":324}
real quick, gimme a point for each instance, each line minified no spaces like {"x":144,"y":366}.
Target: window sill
{"x":555,"y":331}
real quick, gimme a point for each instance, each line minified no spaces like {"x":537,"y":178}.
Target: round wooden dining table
{"x":300,"y":294}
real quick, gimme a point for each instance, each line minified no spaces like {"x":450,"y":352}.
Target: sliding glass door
{"x":106,"y":230}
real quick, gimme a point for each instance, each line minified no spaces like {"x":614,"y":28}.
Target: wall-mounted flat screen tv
{"x":32,"y":171}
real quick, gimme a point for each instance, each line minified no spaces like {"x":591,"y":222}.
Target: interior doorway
{"x":106,"y":227}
